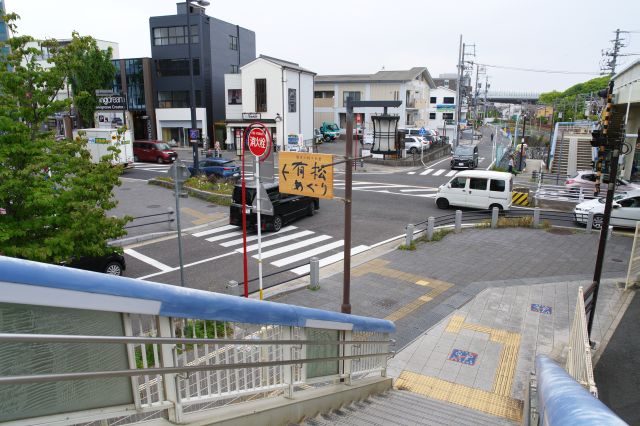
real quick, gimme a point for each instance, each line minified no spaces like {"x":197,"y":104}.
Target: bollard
{"x":536,"y":217}
{"x":171,"y":221}
{"x":314,"y":273}
{"x":408,"y":238}
{"x":430,"y":225}
{"x":589,"y":222}
{"x":494,"y":217}
{"x":458,"y":221}
{"x":233,"y":289}
{"x":581,"y":196}
{"x":610,"y":232}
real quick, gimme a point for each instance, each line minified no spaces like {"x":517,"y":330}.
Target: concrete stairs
{"x":399,"y":407}
{"x":583,"y":160}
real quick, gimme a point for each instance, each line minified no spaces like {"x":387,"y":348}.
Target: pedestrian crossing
{"x":152,"y":167}
{"x":389,"y":188}
{"x":289,"y":246}
{"x":434,"y":172}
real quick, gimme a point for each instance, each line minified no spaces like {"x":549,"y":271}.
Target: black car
{"x":286,"y":207}
{"x":465,"y":156}
{"x":113,"y":264}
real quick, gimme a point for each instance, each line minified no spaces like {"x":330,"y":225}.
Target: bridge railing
{"x":80,"y":347}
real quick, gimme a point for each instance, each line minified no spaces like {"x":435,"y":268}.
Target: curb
{"x":197,"y":193}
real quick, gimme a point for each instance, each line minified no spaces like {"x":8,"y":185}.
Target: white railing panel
{"x":579,"y":364}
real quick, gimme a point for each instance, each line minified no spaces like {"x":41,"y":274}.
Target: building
{"x":626,"y":97}
{"x":134,"y":78}
{"x":217,"y":47}
{"x":412,"y":87}
{"x":442,"y":109}
{"x":273,"y":91}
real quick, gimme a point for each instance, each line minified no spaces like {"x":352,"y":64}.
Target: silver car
{"x":586,"y":180}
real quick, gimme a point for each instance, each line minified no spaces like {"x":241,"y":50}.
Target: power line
{"x":539,"y":70}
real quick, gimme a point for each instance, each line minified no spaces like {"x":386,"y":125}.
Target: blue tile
{"x":464,"y":357}
{"x":535,"y":307}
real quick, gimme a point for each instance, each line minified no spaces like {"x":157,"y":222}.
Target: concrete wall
{"x":232,"y":81}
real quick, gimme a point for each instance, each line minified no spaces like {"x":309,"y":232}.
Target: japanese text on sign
{"x":307,"y":174}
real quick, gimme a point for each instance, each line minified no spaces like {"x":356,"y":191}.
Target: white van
{"x":479,"y":189}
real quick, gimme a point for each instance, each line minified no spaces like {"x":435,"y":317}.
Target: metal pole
{"x":192,"y":93}
{"x":458,"y":100}
{"x":346,"y":275}
{"x":524,"y":126}
{"x":259,"y":225}
{"x":245,"y":268}
{"x":177,"y":191}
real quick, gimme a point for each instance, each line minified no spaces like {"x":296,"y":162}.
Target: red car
{"x":156,"y":151}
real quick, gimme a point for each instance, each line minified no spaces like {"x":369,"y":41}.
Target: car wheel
{"x":310,"y":210}
{"x":316,"y":204}
{"x":597,"y":221}
{"x":113,"y":268}
{"x":277,"y":223}
{"x":413,"y":150}
{"x":442,"y":203}
{"x":135,"y":158}
{"x":160,"y":161}
{"x":499,"y":206}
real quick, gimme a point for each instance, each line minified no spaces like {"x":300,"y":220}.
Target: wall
{"x":232,"y":81}
{"x":180,"y":117}
{"x":385,"y":92}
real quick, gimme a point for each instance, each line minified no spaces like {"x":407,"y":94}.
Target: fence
{"x":579,"y":364}
{"x":81,"y":347}
{"x":633,"y":273}
{"x":169,"y":220}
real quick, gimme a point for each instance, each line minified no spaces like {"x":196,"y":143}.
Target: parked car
{"x":157,"y":151}
{"x":112,"y":264}
{"x":625,"y":212}
{"x":415,"y":144}
{"x":480,"y":189}
{"x":219,"y":167}
{"x":330,"y":131}
{"x":286,"y":207}
{"x":465,"y":156}
{"x":586,"y":180}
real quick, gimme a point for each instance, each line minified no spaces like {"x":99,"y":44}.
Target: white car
{"x":415,"y":144}
{"x":625,"y":212}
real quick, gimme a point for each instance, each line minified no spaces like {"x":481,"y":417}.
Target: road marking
{"x":419,"y":190}
{"x":380,"y":186}
{"x":438,"y":172}
{"x":411,"y":173}
{"x":148,"y":260}
{"x":224,"y":236}
{"x":329,"y":260}
{"x":426,"y":172}
{"x":451,"y":173}
{"x":277,"y":241}
{"x":255,"y":237}
{"x":144,"y":277}
{"x":307,"y":254}
{"x":289,"y":247}
{"x":214,"y":230}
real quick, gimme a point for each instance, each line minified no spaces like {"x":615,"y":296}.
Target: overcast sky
{"x":357,"y":36}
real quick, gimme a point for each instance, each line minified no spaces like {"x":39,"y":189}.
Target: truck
{"x":99,"y":141}
{"x":330,"y":131}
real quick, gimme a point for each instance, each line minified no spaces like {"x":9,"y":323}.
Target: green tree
{"x":53,"y":197}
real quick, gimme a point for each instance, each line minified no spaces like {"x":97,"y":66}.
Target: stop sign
{"x":258,"y":142}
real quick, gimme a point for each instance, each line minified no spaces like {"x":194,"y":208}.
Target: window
{"x":235,"y":96}
{"x":432,"y":116}
{"x":448,"y":100}
{"x":176,"y":67}
{"x":478,"y":184}
{"x":261,"y":95}
{"x":292,"y":100}
{"x":497,"y":185}
{"x":164,"y":36}
{"x":233,"y":42}
{"x":446,"y":83}
{"x":459,"y":182}
{"x":324,"y":94}
{"x":355,"y":96}
{"x":177,"y":99}
{"x":234,"y":69}
{"x":447,"y":116}
{"x":432,"y":100}
{"x":396,"y":95}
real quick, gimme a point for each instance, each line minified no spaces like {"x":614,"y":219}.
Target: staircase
{"x":583,"y":160}
{"x":585,"y":155}
{"x":399,"y":407}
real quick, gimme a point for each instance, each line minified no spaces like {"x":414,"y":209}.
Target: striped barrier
{"x":520,"y":198}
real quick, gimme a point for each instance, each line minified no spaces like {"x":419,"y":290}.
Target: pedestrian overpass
{"x":512,"y":97}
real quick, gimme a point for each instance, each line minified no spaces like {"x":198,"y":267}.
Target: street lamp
{"x":192,"y":93}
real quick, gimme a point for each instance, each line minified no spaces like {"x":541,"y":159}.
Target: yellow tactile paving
{"x":201,"y":218}
{"x":465,"y":396}
{"x":439,"y":287}
{"x":379,"y":267}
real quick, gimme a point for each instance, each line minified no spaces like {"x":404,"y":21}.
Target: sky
{"x":359,"y":37}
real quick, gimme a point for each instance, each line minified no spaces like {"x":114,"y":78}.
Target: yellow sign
{"x":302,"y":173}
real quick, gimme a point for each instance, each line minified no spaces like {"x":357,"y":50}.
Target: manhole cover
{"x":154,"y":206}
{"x":211,"y":206}
{"x":617,"y":260}
{"x":560,"y":231}
{"x":385,"y":303}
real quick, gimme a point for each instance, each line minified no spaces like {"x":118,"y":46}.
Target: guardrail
{"x":169,"y":214}
{"x":579,"y":364}
{"x":81,"y":347}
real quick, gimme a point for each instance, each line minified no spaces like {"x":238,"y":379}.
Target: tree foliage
{"x":54,"y":198}
{"x":571,"y":102}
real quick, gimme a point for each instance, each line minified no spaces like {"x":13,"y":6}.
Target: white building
{"x":442,"y":110}
{"x":274,"y":92}
{"x":412,"y":87}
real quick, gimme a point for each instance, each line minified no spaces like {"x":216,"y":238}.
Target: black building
{"x":217,"y":48}
{"x":134,"y":78}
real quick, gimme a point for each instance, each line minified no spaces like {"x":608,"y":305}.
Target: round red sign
{"x":258,"y":142}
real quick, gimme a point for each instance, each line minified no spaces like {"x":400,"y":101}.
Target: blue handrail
{"x":563,"y":401}
{"x":27,"y":282}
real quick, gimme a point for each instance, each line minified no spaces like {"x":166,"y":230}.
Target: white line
{"x":438,"y":172}
{"x":380,"y":186}
{"x":411,"y":173}
{"x":255,"y":237}
{"x":144,"y":277}
{"x":277,"y":241}
{"x":294,"y":246}
{"x":224,"y":236}
{"x":328,"y":260}
{"x":451,"y":173}
{"x":307,"y":254}
{"x":214,"y":230}
{"x":419,"y":190}
{"x":148,"y":260}
{"x":426,"y":172}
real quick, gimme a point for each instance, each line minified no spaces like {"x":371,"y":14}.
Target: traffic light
{"x":598,"y":139}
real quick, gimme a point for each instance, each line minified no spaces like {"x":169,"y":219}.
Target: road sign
{"x":308,"y":174}
{"x":422,"y":131}
{"x":183,"y":173}
{"x":258,"y":141}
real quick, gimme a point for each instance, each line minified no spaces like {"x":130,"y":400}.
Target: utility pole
{"x":524,"y":127}
{"x":486,"y":88}
{"x":475,"y":100}
{"x":458,"y":95}
{"x":609,"y":65}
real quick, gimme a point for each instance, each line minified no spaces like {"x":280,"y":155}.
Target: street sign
{"x":258,"y":141}
{"x":183,"y":172}
{"x":422,"y":131}
{"x":194,"y":135}
{"x":302,"y":173}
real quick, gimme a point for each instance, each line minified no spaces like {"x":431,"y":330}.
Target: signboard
{"x":294,"y":142}
{"x":112,"y":103}
{"x":251,"y":116}
{"x":445,"y":107}
{"x":302,"y":173}
{"x":194,"y":135}
{"x":422,"y":131}
{"x":258,"y":142}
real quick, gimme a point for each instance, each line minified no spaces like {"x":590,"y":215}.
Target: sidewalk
{"x":473,"y":309}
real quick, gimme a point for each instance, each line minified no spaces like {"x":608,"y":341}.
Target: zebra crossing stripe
{"x":411,"y":173}
{"x":329,"y":260}
{"x":438,"y":172}
{"x":255,"y":237}
{"x":214,"y":230}
{"x":451,"y":173}
{"x":276,"y":241}
{"x":294,"y":246}
{"x":419,"y":190}
{"x":224,"y":236}
{"x":307,"y":254}
{"x":426,"y":172}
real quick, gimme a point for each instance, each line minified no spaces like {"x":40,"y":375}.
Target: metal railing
{"x":579,"y":364}
{"x":178,"y":351}
{"x":169,"y":214}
